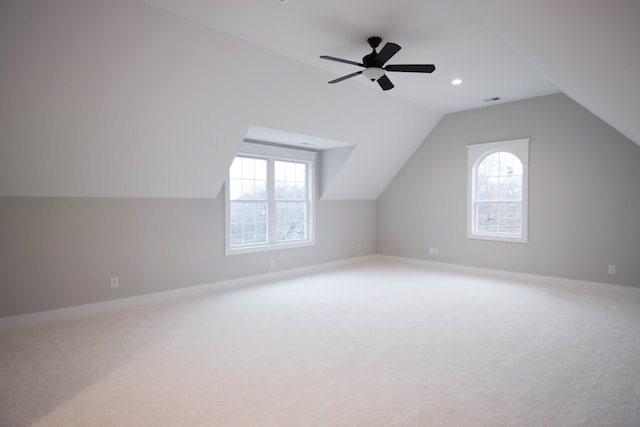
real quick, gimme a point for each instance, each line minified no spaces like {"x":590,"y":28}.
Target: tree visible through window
{"x":290,"y":198}
{"x":498,"y":191}
{"x":269,"y":199}
{"x":249,"y":198}
{"x":498,"y":195}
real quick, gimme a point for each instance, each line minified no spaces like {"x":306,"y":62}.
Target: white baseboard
{"x":80,"y":311}
{"x":512,"y":275}
{"x":70,"y":313}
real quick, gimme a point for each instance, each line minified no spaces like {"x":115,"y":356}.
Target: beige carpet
{"x":374,"y":344}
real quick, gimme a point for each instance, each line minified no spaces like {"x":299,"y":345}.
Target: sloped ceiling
{"x":446,"y":33}
{"x":590,"y":49}
{"x":121,"y":99}
{"x":512,"y":49}
{"x":132,"y":99}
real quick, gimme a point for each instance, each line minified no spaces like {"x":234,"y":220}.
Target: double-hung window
{"x":498,"y":177}
{"x":269,"y":199}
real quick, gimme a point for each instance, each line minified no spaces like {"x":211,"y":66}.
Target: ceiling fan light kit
{"x":373,"y":64}
{"x":373,"y":73}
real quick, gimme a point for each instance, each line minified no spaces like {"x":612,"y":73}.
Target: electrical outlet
{"x":115,"y":282}
{"x":434,"y":251}
{"x":612,"y":269}
{"x":272,"y":264}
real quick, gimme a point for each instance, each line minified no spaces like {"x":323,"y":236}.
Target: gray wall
{"x":584,"y":197}
{"x":584,"y":208}
{"x":61,"y":252}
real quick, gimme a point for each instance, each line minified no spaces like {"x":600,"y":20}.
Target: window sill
{"x":497,"y":238}
{"x":268,"y":247}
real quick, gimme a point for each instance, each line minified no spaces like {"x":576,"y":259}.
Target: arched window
{"x":498,"y":176}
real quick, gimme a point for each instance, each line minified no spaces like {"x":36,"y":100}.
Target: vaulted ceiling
{"x":511,"y":49}
{"x":152,"y":98}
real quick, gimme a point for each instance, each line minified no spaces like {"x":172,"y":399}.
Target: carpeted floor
{"x":372,"y":344}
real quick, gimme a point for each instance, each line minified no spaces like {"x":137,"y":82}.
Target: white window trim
{"x":475,"y":154}
{"x":279,"y":153}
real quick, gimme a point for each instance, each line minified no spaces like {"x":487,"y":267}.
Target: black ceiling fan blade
{"x":411,"y":68}
{"x":346,"y":61}
{"x":348,"y":76}
{"x":387,"y":52}
{"x":385,"y":83}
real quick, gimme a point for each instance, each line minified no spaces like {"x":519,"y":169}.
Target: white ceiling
{"x":152,"y":98}
{"x":512,"y":49}
{"x":443,"y":32}
{"x":590,"y":49}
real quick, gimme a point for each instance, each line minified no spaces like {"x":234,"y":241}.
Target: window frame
{"x":273,"y":153}
{"x":476,"y":153}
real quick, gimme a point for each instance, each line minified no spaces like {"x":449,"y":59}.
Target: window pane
{"x":236,"y":213}
{"x":499,"y":218}
{"x":509,"y":164}
{"x":301,"y":172}
{"x":290,"y":180}
{"x":498,"y":195}
{"x":487,"y":217}
{"x":291,"y":221}
{"x":248,"y":178}
{"x":487,"y":188}
{"x":509,"y":218}
{"x":490,"y":166}
{"x":269,"y":196}
{"x":511,"y":188}
{"x":248,"y":223}
{"x":236,"y":234}
{"x":248,"y":189}
{"x":235,"y":188}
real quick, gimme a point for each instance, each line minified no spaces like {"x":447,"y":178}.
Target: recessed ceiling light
{"x":456,"y":82}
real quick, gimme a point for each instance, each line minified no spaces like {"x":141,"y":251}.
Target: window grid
{"x":269,"y":202}
{"x":497,"y":191}
{"x":248,"y":223}
{"x":498,"y":195}
{"x":290,"y":197}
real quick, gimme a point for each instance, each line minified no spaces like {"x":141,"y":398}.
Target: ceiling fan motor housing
{"x":374,"y":42}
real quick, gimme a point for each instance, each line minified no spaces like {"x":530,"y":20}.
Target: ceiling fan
{"x":373,"y":64}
